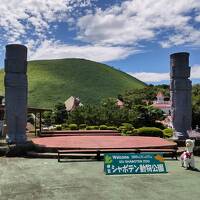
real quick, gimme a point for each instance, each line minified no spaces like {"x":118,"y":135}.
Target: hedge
{"x":133,"y":132}
{"x":150,"y":131}
{"x":103,"y":127}
{"x":92,"y":128}
{"x":121,"y":128}
{"x":112,"y":128}
{"x":127,"y":129}
{"x":58,"y":127}
{"x":82,"y":126}
{"x":65,"y":126}
{"x":128,"y":126}
{"x":168,"y":132}
{"x":73,"y":126}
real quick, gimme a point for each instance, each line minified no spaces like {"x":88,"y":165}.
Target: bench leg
{"x":58,"y":157}
{"x":176,"y":155}
{"x":98,"y":155}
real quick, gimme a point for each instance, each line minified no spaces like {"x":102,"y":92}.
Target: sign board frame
{"x":134,"y":163}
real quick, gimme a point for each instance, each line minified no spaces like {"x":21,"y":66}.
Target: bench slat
{"x":99,"y":151}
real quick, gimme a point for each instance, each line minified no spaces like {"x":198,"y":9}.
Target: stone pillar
{"x":16,"y":93}
{"x":181,"y":98}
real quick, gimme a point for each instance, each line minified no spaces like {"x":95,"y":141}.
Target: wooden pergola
{"x":33,"y":110}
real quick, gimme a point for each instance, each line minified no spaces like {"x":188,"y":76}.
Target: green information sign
{"x":133,"y":163}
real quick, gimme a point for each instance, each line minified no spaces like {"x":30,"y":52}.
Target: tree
{"x":47,"y":118}
{"x":143,"y":96}
{"x":196,"y":105}
{"x":134,"y":97}
{"x":59,"y":114}
{"x":147,"y":115}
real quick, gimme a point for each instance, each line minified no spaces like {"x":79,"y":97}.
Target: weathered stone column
{"x":180,"y":94}
{"x":16,"y":93}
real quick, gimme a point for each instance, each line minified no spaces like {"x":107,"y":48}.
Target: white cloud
{"x":195,"y":72}
{"x":33,"y":17}
{"x":157,"y":77}
{"x":114,"y":33}
{"x":136,"y":20}
{"x":150,"y":76}
{"x":56,"y":50}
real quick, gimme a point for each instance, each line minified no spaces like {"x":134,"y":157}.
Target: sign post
{"x":129,"y":163}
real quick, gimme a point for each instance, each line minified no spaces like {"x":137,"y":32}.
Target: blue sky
{"x":135,"y":36}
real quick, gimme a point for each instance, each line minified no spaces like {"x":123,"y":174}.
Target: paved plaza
{"x":46,"y":179}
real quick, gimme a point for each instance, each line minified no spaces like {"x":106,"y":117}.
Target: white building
{"x":160,"y":103}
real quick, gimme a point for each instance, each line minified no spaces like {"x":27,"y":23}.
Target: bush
{"x":121,"y":129}
{"x":150,"y":131}
{"x":73,"y":126}
{"x":82,"y":126}
{"x":168,"y":132}
{"x":58,"y":127}
{"x":128,"y":126}
{"x":103,"y":127}
{"x":133,"y":132}
{"x":159,"y":125}
{"x":127,"y":129}
{"x":111,"y":128}
{"x":92,"y":128}
{"x":65,"y":126}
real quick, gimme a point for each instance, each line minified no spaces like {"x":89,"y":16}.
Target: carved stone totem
{"x":16,"y":87}
{"x":180,"y":89}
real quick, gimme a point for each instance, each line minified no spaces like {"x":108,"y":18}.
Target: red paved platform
{"x":102,"y":142}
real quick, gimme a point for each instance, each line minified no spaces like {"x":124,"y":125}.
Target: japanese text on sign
{"x":134,"y":164}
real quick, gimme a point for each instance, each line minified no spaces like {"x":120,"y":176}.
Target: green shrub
{"x":127,"y":129}
{"x":88,"y":128}
{"x":103,"y":127}
{"x":92,"y":128}
{"x":73,"y":126}
{"x":130,"y":133}
{"x":121,"y":129}
{"x":168,"y":132}
{"x":159,"y":125}
{"x":150,"y":131}
{"x":112,"y":128}
{"x":58,"y":127}
{"x":82,"y":126}
{"x":135,"y":132}
{"x":127,"y":133}
{"x":65,"y":126}
{"x":128,"y":126}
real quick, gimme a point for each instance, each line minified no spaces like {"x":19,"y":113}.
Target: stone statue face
{"x":189,"y":144}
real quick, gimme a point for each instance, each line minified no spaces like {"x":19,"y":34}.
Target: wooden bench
{"x":62,"y":153}
{"x":99,"y":152}
{"x":172,"y":152}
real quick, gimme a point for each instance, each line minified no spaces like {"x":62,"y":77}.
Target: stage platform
{"x":102,"y":142}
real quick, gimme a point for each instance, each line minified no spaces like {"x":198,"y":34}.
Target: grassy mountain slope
{"x":52,"y":81}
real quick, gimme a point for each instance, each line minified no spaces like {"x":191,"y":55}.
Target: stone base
{"x":180,"y":136}
{"x":19,"y":149}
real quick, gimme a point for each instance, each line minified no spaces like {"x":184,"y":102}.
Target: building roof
{"x":69,"y":103}
{"x":72,"y":102}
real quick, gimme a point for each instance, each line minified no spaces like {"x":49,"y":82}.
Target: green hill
{"x":52,"y":81}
